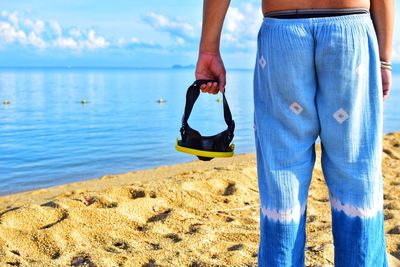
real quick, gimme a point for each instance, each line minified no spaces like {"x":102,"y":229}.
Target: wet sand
{"x":193,"y":214}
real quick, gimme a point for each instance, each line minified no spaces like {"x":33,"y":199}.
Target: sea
{"x":63,"y":125}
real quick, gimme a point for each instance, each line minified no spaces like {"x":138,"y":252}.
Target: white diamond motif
{"x":262,"y":62}
{"x":340,"y":115}
{"x":361,"y":69}
{"x":296,"y":108}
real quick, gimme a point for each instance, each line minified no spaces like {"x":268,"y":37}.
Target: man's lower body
{"x":319,"y":77}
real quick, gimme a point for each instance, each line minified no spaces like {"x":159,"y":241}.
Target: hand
{"x":386,"y":82}
{"x":211,"y":67}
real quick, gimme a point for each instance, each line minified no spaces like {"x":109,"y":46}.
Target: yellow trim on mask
{"x":203,"y":153}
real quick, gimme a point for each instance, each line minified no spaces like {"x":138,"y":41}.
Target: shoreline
{"x":122,"y":179}
{"x":189,"y":214}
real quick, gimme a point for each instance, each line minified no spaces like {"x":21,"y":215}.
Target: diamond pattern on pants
{"x":361,"y":70}
{"x":296,"y":108}
{"x":340,"y":115}
{"x":262,"y":62}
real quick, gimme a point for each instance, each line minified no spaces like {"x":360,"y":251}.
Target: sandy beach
{"x":192,"y":214}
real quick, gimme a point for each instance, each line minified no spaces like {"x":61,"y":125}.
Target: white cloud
{"x":66,"y":43}
{"x":94,"y":41}
{"x":234,"y":19}
{"x":55,"y":27}
{"x":41,"y":34}
{"x":176,"y":28}
{"x":241,"y":27}
{"x":240,"y":31}
{"x":36,"y":40}
{"x":38,"y":26}
{"x":13,"y":18}
{"x":180,"y":41}
{"x":9,"y":34}
{"x":135,"y":43}
{"x":75,"y":33}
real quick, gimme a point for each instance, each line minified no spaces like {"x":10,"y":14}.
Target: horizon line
{"x":109,"y":67}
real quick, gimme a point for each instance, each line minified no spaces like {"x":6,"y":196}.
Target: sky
{"x":124,"y":33}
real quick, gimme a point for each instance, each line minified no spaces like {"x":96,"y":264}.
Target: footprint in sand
{"x":391,"y":154}
{"x":121,"y":244}
{"x":13,"y":263}
{"x":103,"y":203}
{"x":388,"y":215}
{"x":15,"y":252}
{"x":145,"y":210}
{"x":142,"y":228}
{"x":311,"y":218}
{"x":395,"y":230}
{"x":174,"y":237}
{"x":47,"y":245}
{"x":117,"y":246}
{"x":197,"y":264}
{"x":151,"y":263}
{"x":322,"y":199}
{"x":33,"y":217}
{"x":388,"y":197}
{"x":153,"y":194}
{"x":155,"y":246}
{"x":160,"y":217}
{"x":135,"y":193}
{"x":50,"y":204}
{"x":194,"y":228}
{"x":235,"y":247}
{"x":209,"y":186}
{"x":393,"y":206}
{"x":230,"y":189}
{"x":8,"y":210}
{"x":394,"y":259}
{"x":229,"y":219}
{"x":83,"y":260}
{"x":228,"y":168}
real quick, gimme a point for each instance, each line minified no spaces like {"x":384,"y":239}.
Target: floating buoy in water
{"x":84,"y":101}
{"x":160,"y":101}
{"x":219,"y":100}
{"x":6,"y":102}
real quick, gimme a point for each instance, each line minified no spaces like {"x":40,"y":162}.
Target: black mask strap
{"x":193,"y":93}
{"x":227,"y":113}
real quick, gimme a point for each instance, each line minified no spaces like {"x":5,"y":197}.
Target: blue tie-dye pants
{"x":319,"y":77}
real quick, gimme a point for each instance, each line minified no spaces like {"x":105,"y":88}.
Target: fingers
{"x":211,"y":88}
{"x":214,"y":87}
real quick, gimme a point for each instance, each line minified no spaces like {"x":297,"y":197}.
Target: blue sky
{"x":123,"y":33}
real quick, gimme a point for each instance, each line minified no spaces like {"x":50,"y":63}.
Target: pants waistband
{"x":315,"y":13}
{"x":358,"y":18}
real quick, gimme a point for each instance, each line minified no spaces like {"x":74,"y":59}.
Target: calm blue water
{"x":47,"y":137}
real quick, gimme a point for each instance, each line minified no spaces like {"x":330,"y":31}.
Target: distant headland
{"x":177,"y":66}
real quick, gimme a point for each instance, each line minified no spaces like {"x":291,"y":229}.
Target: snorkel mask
{"x":205,"y":147}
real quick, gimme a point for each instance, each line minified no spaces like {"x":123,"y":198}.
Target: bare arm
{"x":210,"y":64}
{"x":214,"y":12}
{"x":382,"y":12}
